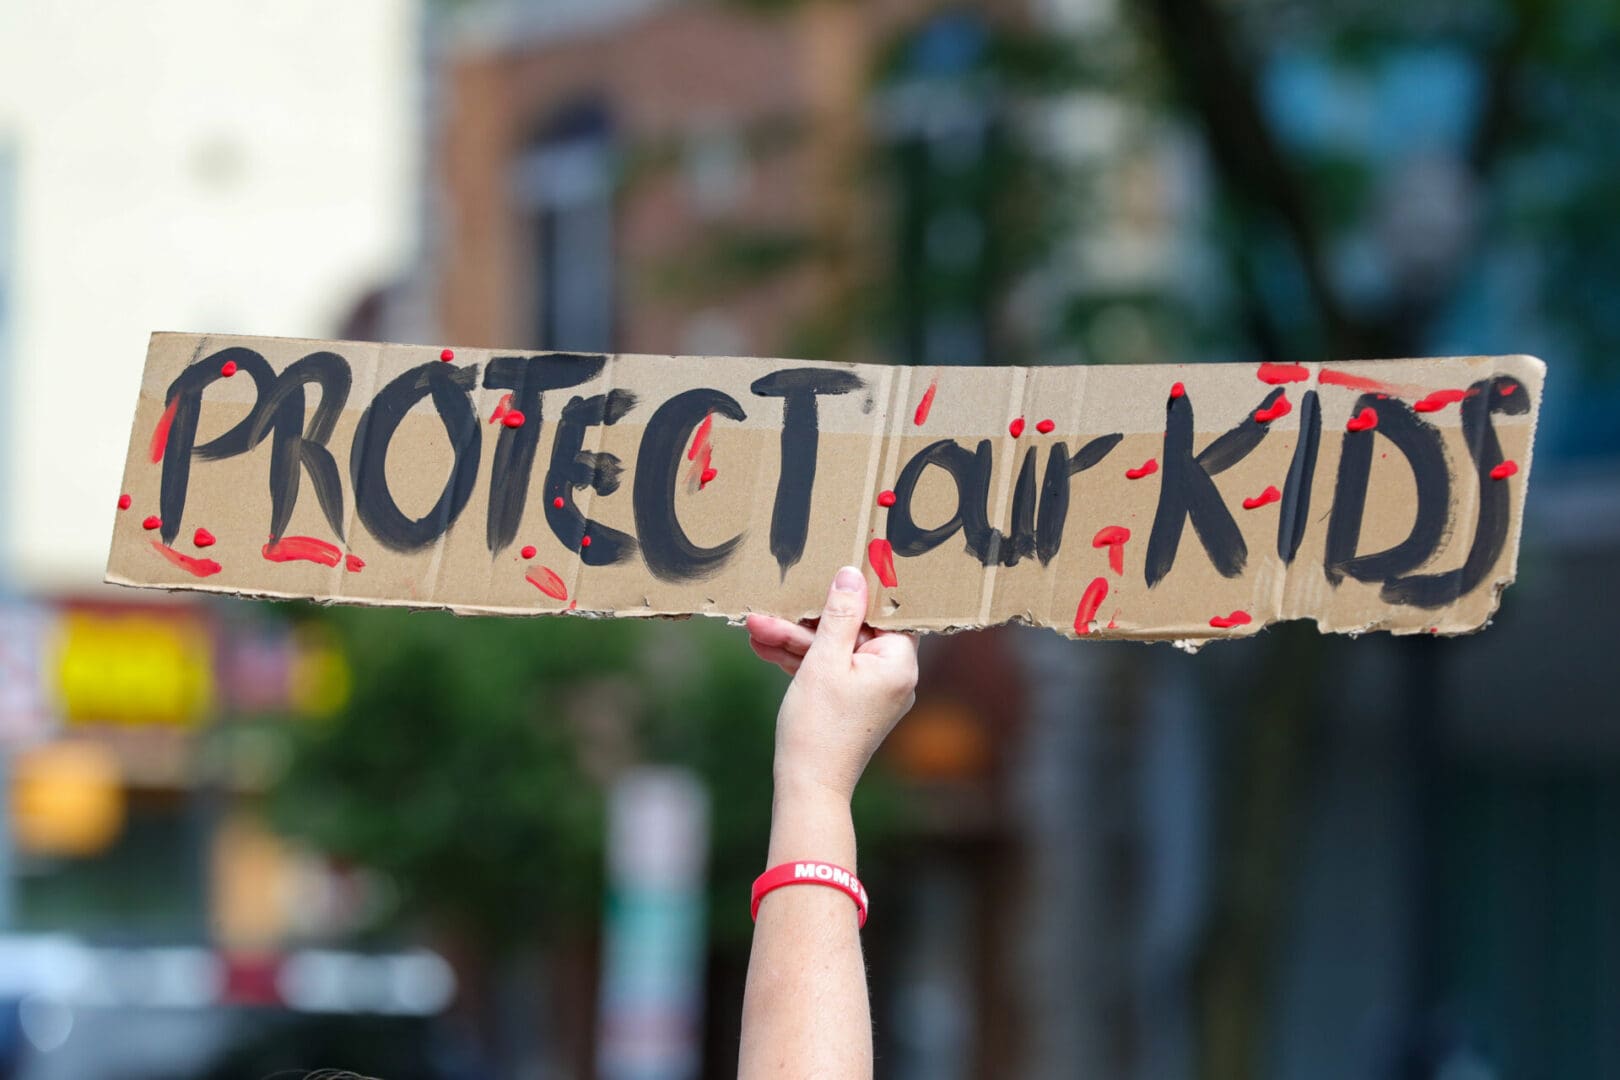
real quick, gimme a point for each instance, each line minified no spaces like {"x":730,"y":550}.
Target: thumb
{"x":841,"y":619}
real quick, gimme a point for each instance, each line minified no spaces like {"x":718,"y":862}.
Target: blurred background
{"x":238,"y":838}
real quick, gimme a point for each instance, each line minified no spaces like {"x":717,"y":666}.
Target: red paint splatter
{"x":1438,"y":400}
{"x":1090,"y":601}
{"x":700,"y":438}
{"x":502,"y":407}
{"x":160,"y":434}
{"x":1270,"y":495}
{"x":705,"y":476}
{"x":1113,"y":538}
{"x":1330,"y":377}
{"x":1112,"y":625}
{"x":584,"y":541}
{"x":353,"y":563}
{"x":529,"y":551}
{"x":547,"y":582}
{"x":572,"y":604}
{"x":125,"y":502}
{"x":1147,"y":468}
{"x":188,"y":563}
{"x":1045,"y":427}
{"x":925,"y":404}
{"x":1365,"y":420}
{"x":228,"y":368}
{"x":1178,"y":391}
{"x":881,"y":556}
{"x":1281,"y":407}
{"x":1016,"y":428}
{"x":885,"y":498}
{"x":558,"y":502}
{"x":1505,"y":389}
{"x":1504,"y":470}
{"x":152,"y":522}
{"x":701,"y":452}
{"x":1277,"y":374}
{"x":447,"y":355}
{"x":513,"y":419}
{"x":1226,"y":622}
{"x":307,"y":548}
{"x":203,"y":538}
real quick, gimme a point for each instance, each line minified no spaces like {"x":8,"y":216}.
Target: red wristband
{"x":810,"y":873}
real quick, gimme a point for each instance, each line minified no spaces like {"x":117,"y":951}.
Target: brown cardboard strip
{"x":1149,"y":502}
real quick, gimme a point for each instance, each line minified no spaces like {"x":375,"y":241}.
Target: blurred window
{"x":563,"y":185}
{"x":938,"y":118}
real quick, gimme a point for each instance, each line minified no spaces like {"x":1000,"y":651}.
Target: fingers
{"x":889,"y":644}
{"x":839,"y":630}
{"x":780,"y":634}
{"x":787,"y":661}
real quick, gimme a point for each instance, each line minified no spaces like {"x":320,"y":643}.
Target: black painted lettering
{"x":798,"y":388}
{"x":668,"y":551}
{"x":451,"y":391}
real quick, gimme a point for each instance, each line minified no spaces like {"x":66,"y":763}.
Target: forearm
{"x":805,"y":1010}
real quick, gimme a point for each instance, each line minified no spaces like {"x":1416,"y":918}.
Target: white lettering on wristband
{"x":827,"y":872}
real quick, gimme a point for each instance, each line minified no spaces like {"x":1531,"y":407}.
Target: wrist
{"x":810,"y":821}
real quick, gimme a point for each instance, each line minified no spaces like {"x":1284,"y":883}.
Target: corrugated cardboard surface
{"x":865,"y":439}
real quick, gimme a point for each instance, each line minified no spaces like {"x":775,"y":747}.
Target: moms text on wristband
{"x":810,"y":873}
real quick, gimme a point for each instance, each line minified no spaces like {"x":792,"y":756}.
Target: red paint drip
{"x":558,"y":502}
{"x":188,"y":563}
{"x":700,"y":438}
{"x":528,"y":551}
{"x":306,"y":548}
{"x":584,"y":541}
{"x":513,"y":419}
{"x":1045,"y":427}
{"x":447,"y":355}
{"x":547,"y":582}
{"x":1330,"y":377}
{"x":1504,"y":470}
{"x":1277,"y":374}
{"x":1365,"y":420}
{"x":152,"y":522}
{"x":1016,"y":428}
{"x":1112,"y":625}
{"x":1178,"y":391}
{"x":572,"y":604}
{"x":885,"y":498}
{"x":1147,"y":468}
{"x":353,"y":563}
{"x":1226,"y":622}
{"x":1281,"y":407}
{"x":502,"y":407}
{"x":1113,"y":538}
{"x":705,"y":476}
{"x":881,"y":555}
{"x":228,"y":368}
{"x":1438,"y":400}
{"x":125,"y":502}
{"x":203,"y":538}
{"x":1270,"y":495}
{"x":925,"y":404}
{"x":1090,"y":601}
{"x":160,"y":433}
{"x":701,"y":452}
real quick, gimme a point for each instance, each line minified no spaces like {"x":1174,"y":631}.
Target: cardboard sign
{"x":1150,"y":502}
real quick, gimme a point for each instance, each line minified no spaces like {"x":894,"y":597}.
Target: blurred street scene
{"x":240,"y":838}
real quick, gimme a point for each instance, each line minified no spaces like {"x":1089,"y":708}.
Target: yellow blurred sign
{"x":66,"y":798}
{"x":134,"y":669}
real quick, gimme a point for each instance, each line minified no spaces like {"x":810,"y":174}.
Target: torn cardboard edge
{"x":1161,"y":502}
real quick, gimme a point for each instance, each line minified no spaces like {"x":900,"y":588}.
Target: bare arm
{"x":805,"y":1011}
